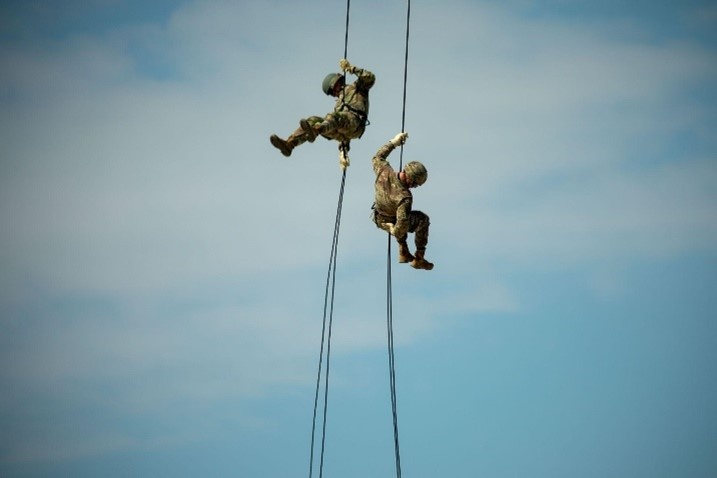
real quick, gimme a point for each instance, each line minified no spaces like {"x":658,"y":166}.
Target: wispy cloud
{"x":156,"y":249}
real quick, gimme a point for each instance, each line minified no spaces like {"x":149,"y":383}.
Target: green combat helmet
{"x":330,"y":81}
{"x":416,"y":172}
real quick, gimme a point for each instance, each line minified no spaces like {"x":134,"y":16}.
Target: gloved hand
{"x":388,"y":227}
{"x":345,"y":65}
{"x":399,"y":139}
{"x":344,"y":161}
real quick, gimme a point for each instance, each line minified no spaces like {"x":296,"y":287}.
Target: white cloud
{"x":563,"y":151}
{"x":115,"y":181}
{"x":149,"y":192}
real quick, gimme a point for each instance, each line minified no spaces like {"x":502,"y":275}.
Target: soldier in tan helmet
{"x":392,"y":209}
{"x":347,"y":121}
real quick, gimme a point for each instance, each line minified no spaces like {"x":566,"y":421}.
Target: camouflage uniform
{"x":350,"y":116}
{"x":393,"y":203}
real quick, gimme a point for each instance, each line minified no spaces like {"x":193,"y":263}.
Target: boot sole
{"x":279,"y":144}
{"x":426,"y":266}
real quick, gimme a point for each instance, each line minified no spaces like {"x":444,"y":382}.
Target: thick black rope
{"x":328,"y":309}
{"x":326,"y":335}
{"x":346,"y":36}
{"x":391,"y":359}
{"x":405,"y":79}
{"x":389,"y":288}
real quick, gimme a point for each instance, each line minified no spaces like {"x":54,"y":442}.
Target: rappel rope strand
{"x":389,"y":288}
{"x":328,"y":308}
{"x":346,"y":36}
{"x":405,"y":79}
{"x":326,"y":335}
{"x":343,"y":145}
{"x":391,"y":361}
{"x":332,"y":275}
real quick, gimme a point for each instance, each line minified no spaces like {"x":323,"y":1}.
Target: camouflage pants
{"x":418,"y":223}
{"x":342,"y":126}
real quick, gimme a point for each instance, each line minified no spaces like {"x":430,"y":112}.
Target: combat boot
{"x":404,"y":255}
{"x":308,"y":129}
{"x":281,"y":145}
{"x":420,"y":262}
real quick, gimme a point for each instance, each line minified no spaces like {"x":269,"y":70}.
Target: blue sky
{"x":163,"y":267}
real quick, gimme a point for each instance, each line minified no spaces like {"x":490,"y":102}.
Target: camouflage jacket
{"x":354,"y":97}
{"x":393,"y":199}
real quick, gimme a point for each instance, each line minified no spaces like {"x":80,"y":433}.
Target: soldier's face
{"x":407,"y":180}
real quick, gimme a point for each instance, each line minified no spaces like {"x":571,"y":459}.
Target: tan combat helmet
{"x":330,"y":81}
{"x":416,"y":172}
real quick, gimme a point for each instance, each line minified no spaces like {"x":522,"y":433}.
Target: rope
{"x":330,"y":292}
{"x":405,"y":79}
{"x":389,"y":288}
{"x":328,"y":311}
{"x":346,"y":36}
{"x":391,"y":359}
{"x":326,"y":336}
{"x":343,"y":146}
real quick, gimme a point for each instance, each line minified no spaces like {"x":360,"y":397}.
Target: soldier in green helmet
{"x":392,"y":208}
{"x":346,"y":122}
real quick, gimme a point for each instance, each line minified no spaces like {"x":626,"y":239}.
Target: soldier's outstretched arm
{"x":379,"y":158}
{"x":366,"y":79}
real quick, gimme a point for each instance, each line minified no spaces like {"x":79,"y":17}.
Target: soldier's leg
{"x":382,"y":222}
{"x":404,"y":253}
{"x":339,"y":125}
{"x":298,"y":137}
{"x":295,"y":139}
{"x":301,"y":135}
{"x":419,"y":223}
{"x":311,"y":126}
